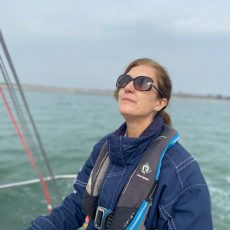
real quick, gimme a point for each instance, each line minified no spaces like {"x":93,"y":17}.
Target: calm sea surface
{"x":71,"y":124}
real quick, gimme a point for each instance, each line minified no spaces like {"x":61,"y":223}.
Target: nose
{"x":129,"y":87}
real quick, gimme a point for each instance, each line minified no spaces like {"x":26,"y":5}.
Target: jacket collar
{"x":125,"y":150}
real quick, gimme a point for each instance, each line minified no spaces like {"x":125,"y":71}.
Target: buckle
{"x":103,"y":218}
{"x":99,"y":216}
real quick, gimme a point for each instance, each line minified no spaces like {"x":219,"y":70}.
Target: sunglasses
{"x":141,"y":83}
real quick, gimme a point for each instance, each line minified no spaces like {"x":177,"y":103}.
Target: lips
{"x":128,"y":99}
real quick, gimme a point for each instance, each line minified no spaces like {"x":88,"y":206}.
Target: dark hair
{"x":163,"y":82}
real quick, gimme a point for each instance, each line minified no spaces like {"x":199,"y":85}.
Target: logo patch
{"x":145,"y":169}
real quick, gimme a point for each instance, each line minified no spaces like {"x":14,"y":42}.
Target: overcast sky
{"x":88,"y":44}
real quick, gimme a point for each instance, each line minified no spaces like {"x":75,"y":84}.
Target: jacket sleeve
{"x":69,"y":215}
{"x":191,"y":210}
{"x":187,"y":203}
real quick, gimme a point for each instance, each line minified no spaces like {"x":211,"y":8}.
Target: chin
{"x":128,"y":109}
{"x":127,"y":113}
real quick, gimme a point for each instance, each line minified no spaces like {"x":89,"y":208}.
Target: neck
{"x":136,"y":127}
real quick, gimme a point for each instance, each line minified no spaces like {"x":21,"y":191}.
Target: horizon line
{"x":97,"y":91}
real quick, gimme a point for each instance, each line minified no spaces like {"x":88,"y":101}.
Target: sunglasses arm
{"x":156,"y":89}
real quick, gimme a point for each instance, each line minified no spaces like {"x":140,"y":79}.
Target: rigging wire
{"x":16,"y":103}
{"x":22,"y":119}
{"x":27,"y":151}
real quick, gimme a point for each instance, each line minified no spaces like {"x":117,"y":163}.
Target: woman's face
{"x":134,"y":104}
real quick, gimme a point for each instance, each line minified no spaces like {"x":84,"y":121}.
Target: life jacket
{"x":133,"y":203}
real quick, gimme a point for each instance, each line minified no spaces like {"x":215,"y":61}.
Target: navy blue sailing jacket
{"x":182,"y":200}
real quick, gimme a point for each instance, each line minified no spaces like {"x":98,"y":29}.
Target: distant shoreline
{"x":108,"y":92}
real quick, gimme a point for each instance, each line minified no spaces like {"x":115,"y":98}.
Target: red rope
{"x":28,"y":152}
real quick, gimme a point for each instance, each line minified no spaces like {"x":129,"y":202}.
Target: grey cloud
{"x":58,"y":42}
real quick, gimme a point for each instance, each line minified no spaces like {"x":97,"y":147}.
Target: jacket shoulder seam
{"x":180,"y":166}
{"x":185,"y":190}
{"x":177,"y":173}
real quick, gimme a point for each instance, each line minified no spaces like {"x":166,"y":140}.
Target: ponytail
{"x":166,"y":117}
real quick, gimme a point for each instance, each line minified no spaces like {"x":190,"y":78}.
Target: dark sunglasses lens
{"x":123,"y":80}
{"x":143,"y":83}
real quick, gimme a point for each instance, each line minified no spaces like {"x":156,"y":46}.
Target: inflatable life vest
{"x":133,"y":203}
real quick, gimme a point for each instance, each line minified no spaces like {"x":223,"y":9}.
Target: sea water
{"x":70,"y":125}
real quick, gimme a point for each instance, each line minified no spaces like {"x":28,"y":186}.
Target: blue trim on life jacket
{"x":139,"y":216}
{"x":170,"y":143}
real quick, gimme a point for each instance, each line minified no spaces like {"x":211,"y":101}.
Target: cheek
{"x":148,"y":103}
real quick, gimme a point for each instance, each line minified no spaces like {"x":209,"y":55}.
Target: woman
{"x":181,"y":199}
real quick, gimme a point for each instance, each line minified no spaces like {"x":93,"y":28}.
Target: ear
{"x":162,"y":102}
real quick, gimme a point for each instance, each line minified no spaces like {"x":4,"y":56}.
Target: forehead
{"x":142,"y":70}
